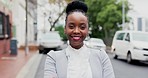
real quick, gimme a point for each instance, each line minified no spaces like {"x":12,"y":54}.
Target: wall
{"x":5,"y":41}
{"x":19,"y":19}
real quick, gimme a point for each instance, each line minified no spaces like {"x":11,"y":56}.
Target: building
{"x":137,"y":22}
{"x":138,"y":15}
{"x":13,"y":22}
{"x":19,"y":21}
{"x":5,"y":26}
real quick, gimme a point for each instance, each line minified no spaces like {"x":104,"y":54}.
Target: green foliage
{"x":104,"y":16}
{"x":61,"y":32}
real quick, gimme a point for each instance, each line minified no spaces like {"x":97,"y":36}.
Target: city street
{"x":30,"y":28}
{"x":121,"y":68}
{"x":124,"y":70}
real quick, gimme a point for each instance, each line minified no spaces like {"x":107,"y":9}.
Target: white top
{"x":78,"y":62}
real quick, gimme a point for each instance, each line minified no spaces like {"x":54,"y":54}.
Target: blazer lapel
{"x":95,"y":64}
{"x":61,"y":64}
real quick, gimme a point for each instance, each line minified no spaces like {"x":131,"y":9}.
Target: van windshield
{"x":51,"y":36}
{"x":140,"y":37}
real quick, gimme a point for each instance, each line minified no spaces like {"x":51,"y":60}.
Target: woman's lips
{"x":76,"y":38}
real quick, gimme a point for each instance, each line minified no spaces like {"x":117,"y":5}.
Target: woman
{"x":77,"y":60}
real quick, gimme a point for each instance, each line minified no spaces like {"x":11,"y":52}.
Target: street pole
{"x":26,"y":38}
{"x":44,"y":22}
{"x":123,"y":14}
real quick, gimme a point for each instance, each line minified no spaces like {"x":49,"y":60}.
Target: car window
{"x":120,"y":36}
{"x":127,"y":38}
{"x":140,"y":37}
{"x":96,"y":40}
{"x":51,"y":36}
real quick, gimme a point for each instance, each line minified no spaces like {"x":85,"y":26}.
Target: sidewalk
{"x":31,"y":67}
{"x":12,"y":65}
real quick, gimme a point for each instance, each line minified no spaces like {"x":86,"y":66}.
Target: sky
{"x":140,"y":6}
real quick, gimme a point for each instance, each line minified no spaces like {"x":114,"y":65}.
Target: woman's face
{"x":76,"y":29}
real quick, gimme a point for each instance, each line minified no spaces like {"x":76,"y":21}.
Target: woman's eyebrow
{"x":71,"y":23}
{"x":82,"y":23}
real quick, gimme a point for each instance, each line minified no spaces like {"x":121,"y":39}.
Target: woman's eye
{"x":82,"y":27}
{"x":71,"y":26}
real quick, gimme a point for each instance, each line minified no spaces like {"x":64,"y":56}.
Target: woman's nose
{"x":76,"y":30}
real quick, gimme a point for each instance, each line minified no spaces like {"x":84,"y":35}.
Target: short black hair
{"x":76,"y":6}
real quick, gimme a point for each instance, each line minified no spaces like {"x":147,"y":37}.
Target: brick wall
{"x":4,"y":46}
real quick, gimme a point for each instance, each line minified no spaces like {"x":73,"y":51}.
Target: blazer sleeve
{"x":50,"y":66}
{"x":106,"y":65}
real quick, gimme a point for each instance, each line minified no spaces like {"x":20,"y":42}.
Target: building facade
{"x":13,"y":23}
{"x":5,"y":27}
{"x":137,"y":22}
{"x":138,"y":15}
{"x":19,"y":21}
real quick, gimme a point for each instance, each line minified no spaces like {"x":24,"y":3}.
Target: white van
{"x":130,"y":45}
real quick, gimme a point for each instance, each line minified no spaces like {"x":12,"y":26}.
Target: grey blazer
{"x":56,"y":64}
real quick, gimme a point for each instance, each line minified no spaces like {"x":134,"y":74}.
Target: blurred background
{"x":29,"y":29}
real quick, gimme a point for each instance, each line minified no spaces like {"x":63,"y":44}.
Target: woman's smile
{"x":76,"y":38}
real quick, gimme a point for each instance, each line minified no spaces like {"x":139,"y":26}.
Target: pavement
{"x":20,"y":65}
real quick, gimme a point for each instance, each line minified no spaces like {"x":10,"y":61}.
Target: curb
{"x":30,"y":68}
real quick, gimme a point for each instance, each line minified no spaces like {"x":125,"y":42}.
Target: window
{"x":1,"y":25}
{"x":127,"y":37}
{"x":8,"y":26}
{"x":120,"y":36}
{"x":139,"y":24}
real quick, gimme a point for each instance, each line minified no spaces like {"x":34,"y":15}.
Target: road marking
{"x":8,"y":58}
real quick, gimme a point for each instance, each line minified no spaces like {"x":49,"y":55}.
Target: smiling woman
{"x":76,"y":29}
{"x":77,"y":60}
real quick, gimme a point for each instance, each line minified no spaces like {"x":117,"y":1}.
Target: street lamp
{"x":44,"y":22}
{"x":26,"y":38}
{"x":123,"y":14}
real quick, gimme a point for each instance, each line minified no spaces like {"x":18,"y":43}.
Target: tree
{"x":61,"y":5}
{"x":53,"y":10}
{"x":61,"y":32}
{"x":104,"y":15}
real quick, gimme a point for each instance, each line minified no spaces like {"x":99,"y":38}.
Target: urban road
{"x":121,"y":68}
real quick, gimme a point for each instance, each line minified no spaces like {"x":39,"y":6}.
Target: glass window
{"x":120,"y":36}
{"x":1,"y":25}
{"x":139,"y":24}
{"x":127,"y":37}
{"x":96,"y":40}
{"x":8,"y":26}
{"x":51,"y":36}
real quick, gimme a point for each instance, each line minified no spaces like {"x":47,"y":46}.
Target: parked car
{"x":95,"y":43}
{"x":48,"y":41}
{"x":130,"y":45}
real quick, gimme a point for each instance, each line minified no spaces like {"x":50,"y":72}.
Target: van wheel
{"x":129,"y":58}
{"x":115,"y":56}
{"x":40,"y":51}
